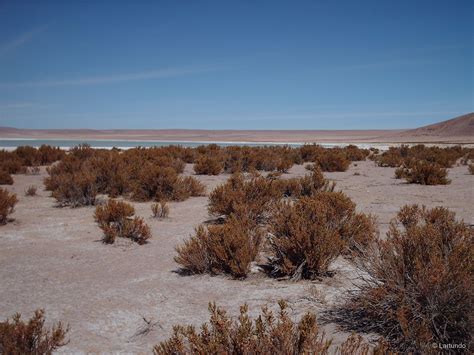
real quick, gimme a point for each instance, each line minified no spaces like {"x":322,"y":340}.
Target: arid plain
{"x":126,"y":297}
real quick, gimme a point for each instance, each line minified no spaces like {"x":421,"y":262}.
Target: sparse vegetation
{"x":17,"y":161}
{"x":422,"y":172}
{"x":224,"y":248}
{"x":267,"y":334}
{"x":419,"y":288}
{"x":116,"y":220}
{"x":160,"y":209}
{"x":397,"y":156}
{"x":34,"y":170}
{"x":30,"y":190}
{"x":31,"y":337}
{"x":7,"y":204}
{"x":5,"y":178}
{"x":141,"y":174}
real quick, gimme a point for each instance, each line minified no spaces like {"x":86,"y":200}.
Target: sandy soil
{"x":53,"y":258}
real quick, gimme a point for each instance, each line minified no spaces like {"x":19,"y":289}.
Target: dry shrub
{"x":471,"y":169}
{"x":155,"y":183}
{"x":5,"y":178}
{"x":419,"y":284}
{"x":308,"y":234}
{"x":333,"y":160}
{"x":424,"y":173}
{"x":307,"y":185}
{"x":237,"y":194}
{"x":268,"y":334}
{"x":224,"y":248}
{"x":208,"y":165}
{"x":7,"y":204}
{"x":354,"y":153}
{"x":116,"y":219}
{"x":160,"y":209}
{"x":143,"y":174}
{"x":188,"y":186}
{"x":31,"y":337}
{"x":397,"y":156}
{"x":158,"y":183}
{"x":34,"y":170}
{"x":75,"y":190}
{"x":10,"y":162}
{"x":400,"y":172}
{"x":31,"y":190}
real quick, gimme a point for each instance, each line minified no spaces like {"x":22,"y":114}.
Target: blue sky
{"x":235,"y":64}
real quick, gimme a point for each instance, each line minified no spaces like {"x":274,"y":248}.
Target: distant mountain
{"x":462,"y":126}
{"x":456,"y":130}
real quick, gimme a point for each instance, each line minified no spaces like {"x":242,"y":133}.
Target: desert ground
{"x":126,"y":297}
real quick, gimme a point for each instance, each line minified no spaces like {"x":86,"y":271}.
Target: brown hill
{"x":462,"y":126}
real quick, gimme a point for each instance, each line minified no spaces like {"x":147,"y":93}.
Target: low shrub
{"x":75,"y":189}
{"x":253,"y":195}
{"x":424,"y":173}
{"x":471,"y":169}
{"x":160,"y":209}
{"x":31,"y":337}
{"x":227,"y":248}
{"x":5,"y":178}
{"x":354,"y":153}
{"x":33,"y":170}
{"x":419,"y":285}
{"x":333,"y":160}
{"x":307,"y":185}
{"x":445,"y":157}
{"x":7,"y":205}
{"x":188,"y":186}
{"x":208,"y":165}
{"x":400,"y":172}
{"x":115,"y":218}
{"x":268,"y":334}
{"x":163,"y":183}
{"x":30,"y":190}
{"x":308,"y":234}
{"x":11,"y":163}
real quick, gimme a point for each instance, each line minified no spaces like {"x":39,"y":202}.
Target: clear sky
{"x":235,"y":64}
